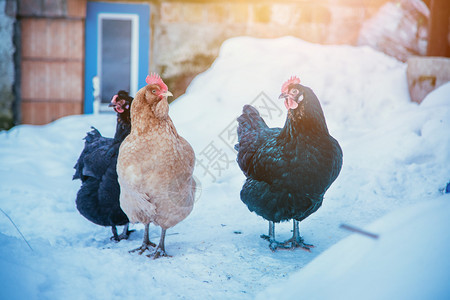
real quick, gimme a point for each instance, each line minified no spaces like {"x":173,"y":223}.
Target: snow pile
{"x":396,"y":154}
{"x":409,"y":261}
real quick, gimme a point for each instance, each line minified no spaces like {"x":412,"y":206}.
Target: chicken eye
{"x":153,"y":91}
{"x":294,"y":91}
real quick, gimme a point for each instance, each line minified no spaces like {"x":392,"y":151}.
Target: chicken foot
{"x":123,"y":236}
{"x":296,"y":241}
{"x":273,"y":244}
{"x":161,"y":249}
{"x":146,"y":243}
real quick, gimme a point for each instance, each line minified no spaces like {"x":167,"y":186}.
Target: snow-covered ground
{"x":396,"y":163}
{"x":408,"y":261}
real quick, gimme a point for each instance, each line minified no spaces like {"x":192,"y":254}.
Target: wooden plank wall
{"x":52,"y":61}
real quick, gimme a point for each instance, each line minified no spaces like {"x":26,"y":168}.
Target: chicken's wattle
{"x":290,"y":104}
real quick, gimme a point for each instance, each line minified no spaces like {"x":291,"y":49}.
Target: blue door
{"x":117,"y":50}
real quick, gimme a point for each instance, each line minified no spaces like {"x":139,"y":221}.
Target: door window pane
{"x":116,"y":39}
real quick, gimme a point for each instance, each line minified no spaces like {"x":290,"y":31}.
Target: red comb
{"x":154,"y":78}
{"x":292,"y":80}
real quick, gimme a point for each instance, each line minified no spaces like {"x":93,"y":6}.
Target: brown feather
{"x":155,"y":164}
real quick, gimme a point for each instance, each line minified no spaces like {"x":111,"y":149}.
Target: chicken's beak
{"x":167,"y":94}
{"x":283,"y":96}
{"x":113,"y":102}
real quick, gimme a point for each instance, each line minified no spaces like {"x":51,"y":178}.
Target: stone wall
{"x":7,"y":20}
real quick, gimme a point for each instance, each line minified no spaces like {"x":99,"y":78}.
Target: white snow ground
{"x":408,"y":261}
{"x":396,"y":163}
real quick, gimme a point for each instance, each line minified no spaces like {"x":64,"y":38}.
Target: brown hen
{"x":155,"y":166}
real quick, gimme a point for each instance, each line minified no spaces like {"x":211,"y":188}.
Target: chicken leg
{"x":160,"y":250}
{"x":296,"y":241}
{"x":271,"y":237}
{"x":146,"y":243}
{"x":123,"y":236}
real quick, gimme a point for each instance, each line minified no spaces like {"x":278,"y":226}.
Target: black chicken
{"x":98,"y":198}
{"x":288,"y":169}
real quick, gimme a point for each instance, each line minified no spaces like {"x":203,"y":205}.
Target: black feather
{"x":98,"y":197}
{"x":288,"y":169}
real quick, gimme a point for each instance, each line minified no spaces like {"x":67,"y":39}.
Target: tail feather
{"x":93,"y":159}
{"x":250,"y":121}
{"x":92,"y":135}
{"x":251,"y":127}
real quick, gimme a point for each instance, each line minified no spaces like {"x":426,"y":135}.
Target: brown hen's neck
{"x":148,"y":118}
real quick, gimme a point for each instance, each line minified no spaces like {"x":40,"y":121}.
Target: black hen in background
{"x":288,"y":169}
{"x":98,"y":198}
